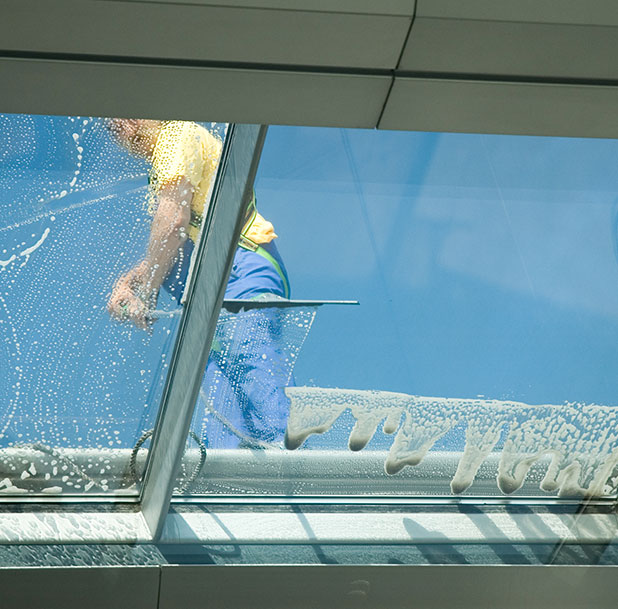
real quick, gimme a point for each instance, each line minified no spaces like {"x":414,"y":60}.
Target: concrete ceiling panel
{"x":511,"y":49}
{"x":203,"y":33}
{"x":591,"y":12}
{"x":371,"y":7}
{"x":205,"y":94}
{"x":494,"y":107}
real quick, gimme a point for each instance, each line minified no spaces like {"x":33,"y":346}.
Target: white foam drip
{"x":582,"y":439}
{"x":30,"y":250}
{"x":5,"y":263}
{"x":26,"y":253}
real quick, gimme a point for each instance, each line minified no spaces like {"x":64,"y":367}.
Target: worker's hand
{"x":131,"y":300}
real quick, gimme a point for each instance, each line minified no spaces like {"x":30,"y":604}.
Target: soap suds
{"x":30,"y":250}
{"x":5,"y":263}
{"x":26,"y":253}
{"x":581,"y":439}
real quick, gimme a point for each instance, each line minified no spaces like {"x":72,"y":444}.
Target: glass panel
{"x":92,"y":220}
{"x":482,"y":356}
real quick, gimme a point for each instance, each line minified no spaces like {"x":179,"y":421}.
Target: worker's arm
{"x":135,"y":293}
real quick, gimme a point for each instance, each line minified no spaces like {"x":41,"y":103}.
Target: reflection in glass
{"x":242,"y":400}
{"x":78,"y":213}
{"x":482,"y":357}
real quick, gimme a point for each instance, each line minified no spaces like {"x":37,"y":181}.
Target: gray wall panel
{"x":191,"y":32}
{"x":326,"y":99}
{"x":512,"y":48}
{"x":384,"y":7}
{"x":395,"y":587}
{"x":90,"y":89}
{"x":486,"y":107}
{"x":77,"y":587}
{"x":593,"y":12}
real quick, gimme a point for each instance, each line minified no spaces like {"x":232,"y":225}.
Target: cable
{"x":189,"y":480}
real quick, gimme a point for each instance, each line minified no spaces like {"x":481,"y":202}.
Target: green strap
{"x":252,"y":213}
{"x":248,"y":244}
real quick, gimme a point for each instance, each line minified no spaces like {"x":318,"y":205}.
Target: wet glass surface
{"x":484,"y":346}
{"x":79,"y":385}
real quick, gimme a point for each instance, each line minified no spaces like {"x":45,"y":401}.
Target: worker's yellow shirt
{"x":188,"y":150}
{"x":185,"y":150}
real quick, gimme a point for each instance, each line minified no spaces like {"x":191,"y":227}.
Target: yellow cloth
{"x":185,"y":150}
{"x":260,"y":230}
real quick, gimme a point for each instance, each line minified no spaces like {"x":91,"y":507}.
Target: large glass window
{"x":407,"y":314}
{"x":86,"y":333}
{"x":481,"y":358}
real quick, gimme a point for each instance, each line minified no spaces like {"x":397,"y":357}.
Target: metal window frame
{"x":203,"y":302}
